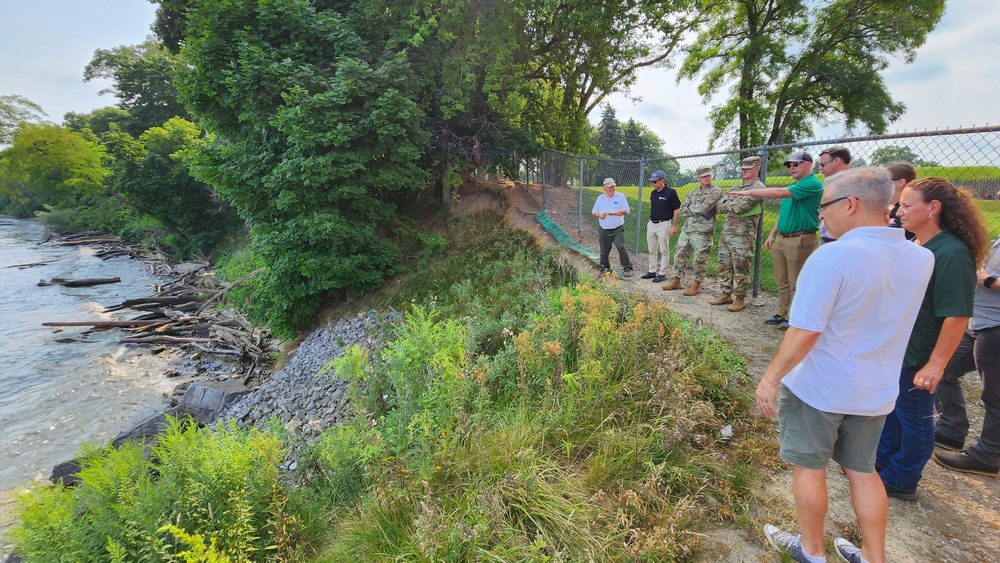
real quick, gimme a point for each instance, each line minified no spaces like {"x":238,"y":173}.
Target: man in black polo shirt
{"x":663,"y":211}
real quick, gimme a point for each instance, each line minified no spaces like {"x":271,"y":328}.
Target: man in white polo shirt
{"x":837,"y":368}
{"x":610,"y":210}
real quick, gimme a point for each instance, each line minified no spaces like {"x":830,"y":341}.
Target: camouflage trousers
{"x":735,"y":256}
{"x":698,"y":244}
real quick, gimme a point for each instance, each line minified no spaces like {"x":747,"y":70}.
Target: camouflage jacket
{"x":699,"y":209}
{"x":741,"y":211}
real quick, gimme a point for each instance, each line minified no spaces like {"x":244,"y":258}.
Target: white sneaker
{"x":848,"y":551}
{"x":783,"y":541}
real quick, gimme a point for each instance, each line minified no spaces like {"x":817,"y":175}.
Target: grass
{"x":518,"y":413}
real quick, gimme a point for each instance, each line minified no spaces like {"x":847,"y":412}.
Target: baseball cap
{"x":658,"y":175}
{"x":608,"y":182}
{"x":799,"y":156}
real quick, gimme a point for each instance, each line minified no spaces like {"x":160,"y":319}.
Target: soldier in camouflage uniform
{"x":739,"y":231}
{"x":698,"y":210}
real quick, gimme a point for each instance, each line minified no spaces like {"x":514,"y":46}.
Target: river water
{"x":56,"y":396}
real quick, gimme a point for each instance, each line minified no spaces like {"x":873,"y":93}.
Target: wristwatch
{"x":989,"y":281}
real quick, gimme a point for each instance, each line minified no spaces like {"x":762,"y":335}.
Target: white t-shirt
{"x":862,"y":294}
{"x":616,"y":203}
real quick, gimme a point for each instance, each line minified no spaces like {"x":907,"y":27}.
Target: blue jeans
{"x":907,"y":440}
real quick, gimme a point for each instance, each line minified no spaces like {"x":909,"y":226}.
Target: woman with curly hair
{"x":946,"y":221}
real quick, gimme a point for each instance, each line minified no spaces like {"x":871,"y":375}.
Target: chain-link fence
{"x":571,"y":183}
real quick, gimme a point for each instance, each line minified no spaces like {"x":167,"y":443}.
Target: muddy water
{"x":55,"y":396}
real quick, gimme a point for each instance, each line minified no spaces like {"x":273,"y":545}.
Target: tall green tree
{"x":142,"y":79}
{"x":98,"y":121}
{"x":890,"y":153}
{"x":317,"y":143}
{"x":787,"y":65}
{"x":609,"y":133}
{"x":49,"y":166}
{"x":639,"y":141}
{"x":152,"y":173}
{"x":15,"y":110}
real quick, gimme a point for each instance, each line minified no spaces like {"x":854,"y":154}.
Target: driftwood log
{"x":85,"y":282}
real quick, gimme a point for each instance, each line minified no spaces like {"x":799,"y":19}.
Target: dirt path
{"x":955,"y":519}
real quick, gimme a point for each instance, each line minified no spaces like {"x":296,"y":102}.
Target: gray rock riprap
{"x":304,"y":402}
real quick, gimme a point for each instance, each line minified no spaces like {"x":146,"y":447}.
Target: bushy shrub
{"x":214,"y":492}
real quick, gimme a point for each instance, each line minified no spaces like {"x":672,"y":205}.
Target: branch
{"x":223,"y":292}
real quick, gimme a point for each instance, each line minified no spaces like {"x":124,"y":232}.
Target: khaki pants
{"x":788,"y":255}
{"x":658,"y":237}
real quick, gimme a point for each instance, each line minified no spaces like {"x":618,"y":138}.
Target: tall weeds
{"x":209,"y":495}
{"x":594,"y":433}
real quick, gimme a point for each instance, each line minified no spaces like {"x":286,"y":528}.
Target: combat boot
{"x":694,"y":289}
{"x":738,"y":305}
{"x":724,"y":299}
{"x":674,"y":284}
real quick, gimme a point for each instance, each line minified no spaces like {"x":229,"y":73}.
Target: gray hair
{"x":870,"y":185}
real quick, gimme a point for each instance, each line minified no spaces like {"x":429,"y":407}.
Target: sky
{"x":954,"y":82}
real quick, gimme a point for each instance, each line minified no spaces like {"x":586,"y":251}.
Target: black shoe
{"x":648,"y":276}
{"x":775,"y":320}
{"x":949,"y":444}
{"x":900,"y":493}
{"x":628,"y":272}
{"x":960,"y":461}
{"x":784,"y":325}
{"x":659,"y":279}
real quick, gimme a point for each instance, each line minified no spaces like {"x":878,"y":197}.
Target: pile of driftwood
{"x":112,"y":246}
{"x":180,"y":312}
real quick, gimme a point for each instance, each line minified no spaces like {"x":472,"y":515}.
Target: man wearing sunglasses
{"x":793,"y":237}
{"x":831,"y":161}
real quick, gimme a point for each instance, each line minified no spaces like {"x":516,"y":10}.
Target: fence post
{"x":638,"y":204}
{"x":760,"y":228}
{"x":579,"y":206}
{"x":544,"y":206}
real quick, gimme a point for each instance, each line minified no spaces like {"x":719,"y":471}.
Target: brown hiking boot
{"x":738,"y":305}
{"x":724,"y":299}
{"x":674,"y":284}
{"x":694,"y":289}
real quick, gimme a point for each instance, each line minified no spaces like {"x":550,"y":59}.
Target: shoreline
{"x":168,"y":369}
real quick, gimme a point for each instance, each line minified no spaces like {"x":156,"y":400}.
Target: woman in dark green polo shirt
{"x":947,"y":221}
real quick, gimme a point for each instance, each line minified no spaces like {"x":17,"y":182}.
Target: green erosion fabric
{"x":565,"y":240}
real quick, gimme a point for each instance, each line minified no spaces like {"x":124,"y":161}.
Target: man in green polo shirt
{"x":793,"y":237}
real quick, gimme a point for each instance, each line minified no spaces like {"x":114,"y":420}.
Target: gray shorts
{"x":811,"y":438}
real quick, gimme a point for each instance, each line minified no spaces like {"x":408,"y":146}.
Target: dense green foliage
{"x":142,"y":78}
{"x":152,"y":174}
{"x":223,"y":484}
{"x":49,"y":167}
{"x":317,"y":142}
{"x":593,"y":435}
{"x":783,"y":66}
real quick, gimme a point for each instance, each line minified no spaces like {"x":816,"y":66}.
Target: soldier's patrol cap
{"x":750,"y":162}
{"x":703,"y":171}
